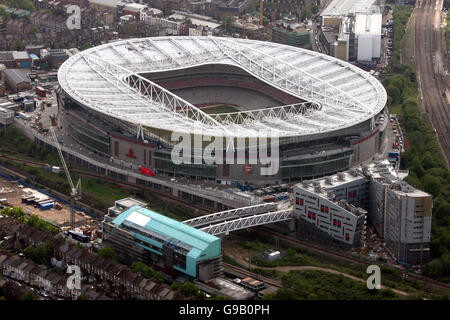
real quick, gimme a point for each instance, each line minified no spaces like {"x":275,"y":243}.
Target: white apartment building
{"x":335,"y":207}
{"x":330,"y":207}
{"x":400,"y":213}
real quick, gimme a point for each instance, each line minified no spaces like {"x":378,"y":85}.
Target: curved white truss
{"x":107,"y":79}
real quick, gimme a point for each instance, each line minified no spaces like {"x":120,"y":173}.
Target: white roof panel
{"x":108,"y":79}
{"x":138,"y":218}
{"x":345,"y":7}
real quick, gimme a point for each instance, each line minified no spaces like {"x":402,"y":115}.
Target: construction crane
{"x":75,"y":191}
{"x":261,"y":12}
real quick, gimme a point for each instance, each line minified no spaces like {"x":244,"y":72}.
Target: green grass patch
{"x":219,"y":109}
{"x":319,"y":285}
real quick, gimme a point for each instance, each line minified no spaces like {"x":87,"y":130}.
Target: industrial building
{"x":351,"y":29}
{"x":336,"y":207}
{"x":139,"y":234}
{"x":327,"y":115}
{"x":17,"y":80}
{"x":54,"y":57}
{"x":15,"y":59}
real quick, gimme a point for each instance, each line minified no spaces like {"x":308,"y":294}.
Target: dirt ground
{"x":13,"y":192}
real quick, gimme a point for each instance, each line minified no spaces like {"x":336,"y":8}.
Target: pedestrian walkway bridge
{"x":224,"y":222}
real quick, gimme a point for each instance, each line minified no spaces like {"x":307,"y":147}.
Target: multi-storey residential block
{"x":326,"y":207}
{"x":335,"y":207}
{"x":400,"y":213}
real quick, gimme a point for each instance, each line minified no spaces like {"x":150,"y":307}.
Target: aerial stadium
{"x":125,"y":99}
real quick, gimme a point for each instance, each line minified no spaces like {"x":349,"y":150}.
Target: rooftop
{"x":368,"y":24}
{"x":91,"y":76}
{"x":17,"y":75}
{"x":384,"y":172}
{"x":6,"y":56}
{"x":106,"y":3}
{"x":20,"y":55}
{"x":147,"y":220}
{"x":345,"y":7}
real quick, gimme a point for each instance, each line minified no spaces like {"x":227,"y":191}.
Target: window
{"x":116,"y":148}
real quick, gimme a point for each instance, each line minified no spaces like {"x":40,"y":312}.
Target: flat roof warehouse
{"x":346,"y":7}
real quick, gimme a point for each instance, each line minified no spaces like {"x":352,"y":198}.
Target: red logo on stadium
{"x":248,"y":168}
{"x":130,"y":154}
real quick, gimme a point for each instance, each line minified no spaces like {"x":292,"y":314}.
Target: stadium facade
{"x":124,"y":100}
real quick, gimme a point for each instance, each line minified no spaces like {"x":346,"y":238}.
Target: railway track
{"x":245,"y":272}
{"x":116,"y":181}
{"x":431,"y":73}
{"x":342,"y":256}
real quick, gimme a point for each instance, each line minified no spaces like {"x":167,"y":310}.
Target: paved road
{"x":431,"y":72}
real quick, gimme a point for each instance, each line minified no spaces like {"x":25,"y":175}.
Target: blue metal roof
{"x":171,"y":229}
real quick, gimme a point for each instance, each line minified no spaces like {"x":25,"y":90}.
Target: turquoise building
{"x":140,"y":234}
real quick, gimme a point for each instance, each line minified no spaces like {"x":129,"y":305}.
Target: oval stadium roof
{"x":108,"y":79}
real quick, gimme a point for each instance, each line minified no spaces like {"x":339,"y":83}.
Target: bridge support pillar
{"x":292,"y":225}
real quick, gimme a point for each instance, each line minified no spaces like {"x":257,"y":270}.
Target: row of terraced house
{"x":113,"y":277}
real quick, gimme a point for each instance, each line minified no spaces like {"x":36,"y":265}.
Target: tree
{"x":432,"y":185}
{"x":83,"y":296}
{"x":443,"y":211}
{"x":127,"y":30}
{"x":435,"y":268}
{"x":227,"y":21}
{"x":306,"y":14}
{"x":427,"y":161}
{"x":394,"y":93}
{"x":108,"y":254}
{"x":175,"y":286}
{"x":40,"y":254}
{"x":314,"y":9}
{"x":147,"y":272}
{"x":4,"y":14}
{"x":18,"y":45}
{"x":84,"y":46}
{"x":189,"y":289}
{"x":30,"y":295}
